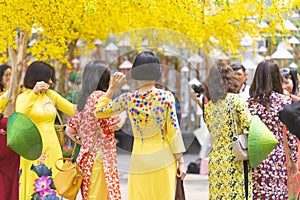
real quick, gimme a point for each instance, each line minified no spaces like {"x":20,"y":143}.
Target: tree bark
{"x":17,"y":58}
{"x":61,"y":69}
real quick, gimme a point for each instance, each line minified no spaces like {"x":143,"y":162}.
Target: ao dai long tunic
{"x":42,"y":111}
{"x":226,"y":176}
{"x":157,"y":138}
{"x":101,"y":181}
{"x":270,"y":177}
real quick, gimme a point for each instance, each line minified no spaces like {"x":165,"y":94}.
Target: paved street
{"x":196,"y":186}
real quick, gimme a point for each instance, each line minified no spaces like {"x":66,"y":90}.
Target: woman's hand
{"x":116,"y":79}
{"x":196,"y":99}
{"x":40,"y":86}
{"x":71,"y":133}
{"x":181,"y":172}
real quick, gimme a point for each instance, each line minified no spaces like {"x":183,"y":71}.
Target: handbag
{"x":179,"y":194}
{"x":59,"y":128}
{"x":69,"y":178}
{"x":240,"y":144}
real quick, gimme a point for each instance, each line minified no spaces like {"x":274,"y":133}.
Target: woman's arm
{"x":72,"y":133}
{"x":26,"y":100}
{"x":173,"y":135}
{"x":61,"y":103}
{"x":107,"y":108}
{"x":73,"y":126}
{"x":242,"y":114}
{"x":115,"y":80}
{"x":173,"y":132}
{"x":3,"y":101}
{"x":118,"y":126}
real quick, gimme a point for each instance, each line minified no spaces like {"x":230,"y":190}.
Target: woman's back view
{"x":269,"y":178}
{"x":225,"y":113}
{"x":157,"y":137}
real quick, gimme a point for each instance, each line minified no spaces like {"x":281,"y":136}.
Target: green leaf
{"x":227,"y":3}
{"x":35,"y":196}
{"x":41,"y":170}
{"x":217,"y":3}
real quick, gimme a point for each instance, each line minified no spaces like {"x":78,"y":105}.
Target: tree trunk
{"x":17,"y":58}
{"x":61,"y":69}
{"x":61,"y":75}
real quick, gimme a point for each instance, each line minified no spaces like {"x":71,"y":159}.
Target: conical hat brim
{"x":261,"y":141}
{"x":23,"y":136}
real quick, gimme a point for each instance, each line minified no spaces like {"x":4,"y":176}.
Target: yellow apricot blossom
{"x":52,"y":27}
{"x":62,"y":22}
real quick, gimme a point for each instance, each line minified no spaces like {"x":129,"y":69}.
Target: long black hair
{"x":266,"y":79}
{"x":96,"y":76}
{"x":294,"y":77}
{"x":3,"y":68}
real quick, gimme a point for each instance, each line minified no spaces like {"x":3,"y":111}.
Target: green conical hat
{"x":23,"y":136}
{"x":261,"y":141}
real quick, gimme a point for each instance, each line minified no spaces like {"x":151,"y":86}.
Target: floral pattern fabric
{"x":270,"y":177}
{"x":157,"y":138}
{"x":41,"y":109}
{"x":88,"y":126}
{"x":223,"y":118}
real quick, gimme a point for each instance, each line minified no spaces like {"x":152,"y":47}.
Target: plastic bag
{"x":203,"y":136}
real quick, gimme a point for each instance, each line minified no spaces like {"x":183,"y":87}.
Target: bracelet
{"x":76,"y":137}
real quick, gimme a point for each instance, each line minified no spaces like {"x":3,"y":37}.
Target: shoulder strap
{"x":234,"y":122}
{"x":94,"y":142}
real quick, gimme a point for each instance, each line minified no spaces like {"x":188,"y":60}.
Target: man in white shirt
{"x":242,"y":75}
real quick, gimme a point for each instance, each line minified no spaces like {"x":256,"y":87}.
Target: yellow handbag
{"x":59,"y":128}
{"x":69,"y":178}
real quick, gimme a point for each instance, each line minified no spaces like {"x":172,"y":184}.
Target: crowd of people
{"x":157,"y":155}
{"x":272,"y":88}
{"x":92,"y":124}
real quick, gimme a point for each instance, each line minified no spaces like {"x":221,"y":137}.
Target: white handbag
{"x":240,"y":144}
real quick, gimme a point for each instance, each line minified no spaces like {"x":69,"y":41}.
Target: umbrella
{"x":23,"y":136}
{"x":290,"y":116}
{"x":261,"y":141}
